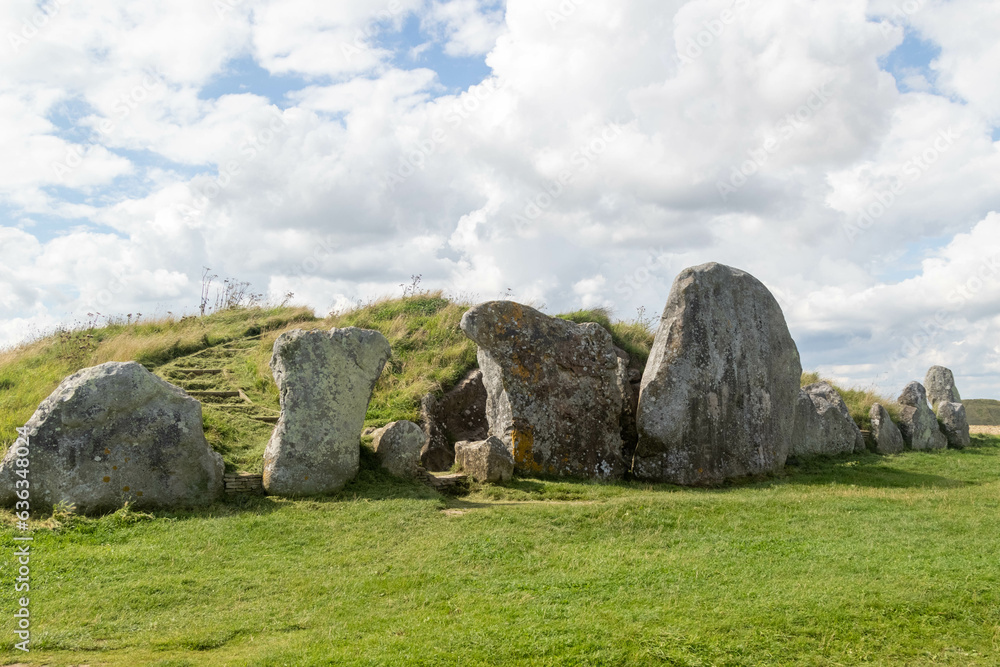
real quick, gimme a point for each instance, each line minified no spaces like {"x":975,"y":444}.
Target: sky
{"x":563,"y":153}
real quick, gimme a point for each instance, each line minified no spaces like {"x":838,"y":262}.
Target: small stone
{"x":917,"y":422}
{"x":885,"y":434}
{"x":485,"y":461}
{"x":398,"y":446}
{"x":954,"y":424}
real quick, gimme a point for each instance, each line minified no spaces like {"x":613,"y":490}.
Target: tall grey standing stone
{"x":954,"y":424}
{"x":719,"y":393}
{"x":917,"y":422}
{"x":885,"y":434}
{"x":397,"y":446}
{"x":112,"y":434}
{"x":485,"y":461}
{"x":554,"y":390}
{"x":325,"y":379}
{"x":823,"y":424}
{"x":940,"y":386}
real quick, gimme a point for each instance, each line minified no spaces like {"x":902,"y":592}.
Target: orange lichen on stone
{"x":524,"y":443}
{"x":107,"y":479}
{"x":125,"y":488}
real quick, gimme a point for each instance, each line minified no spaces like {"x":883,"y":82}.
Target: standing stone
{"x":885,"y":434}
{"x":823,"y":424}
{"x":458,"y":415}
{"x":940,"y":385}
{"x":326,"y":379}
{"x":112,"y":434}
{"x":397,"y":446}
{"x":485,"y":461}
{"x":719,"y":393}
{"x":554,"y":394}
{"x":917,"y":423}
{"x":954,"y":424}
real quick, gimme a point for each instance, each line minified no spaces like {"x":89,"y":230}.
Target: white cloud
{"x":614,"y":144}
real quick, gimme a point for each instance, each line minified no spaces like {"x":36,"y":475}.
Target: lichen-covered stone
{"x":954,"y":424}
{"x":485,"y":461}
{"x":112,"y":434}
{"x":917,"y":422}
{"x":940,"y":386}
{"x":554,"y":394}
{"x":325,"y":379}
{"x":885,"y":435}
{"x":458,"y":415}
{"x":718,"y":396}
{"x":823,"y":424}
{"x":397,"y":446}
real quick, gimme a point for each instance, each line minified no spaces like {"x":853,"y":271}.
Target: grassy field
{"x":857,"y":560}
{"x":982,"y":411}
{"x":866,"y":560}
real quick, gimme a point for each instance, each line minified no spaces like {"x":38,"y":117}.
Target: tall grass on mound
{"x":31,"y":372}
{"x":859,"y":401}
{"x":430,"y":354}
{"x":633,"y":337}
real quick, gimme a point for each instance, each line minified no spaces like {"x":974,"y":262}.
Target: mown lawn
{"x":866,"y":560}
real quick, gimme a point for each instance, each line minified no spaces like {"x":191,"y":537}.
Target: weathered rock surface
{"x":885,"y":434}
{"x":954,"y":424}
{"x":823,"y":424}
{"x":485,"y":461}
{"x":458,"y":415}
{"x":719,"y":393}
{"x":397,"y":446}
{"x":629,"y":379}
{"x":326,"y":379}
{"x":917,"y":423}
{"x":554,"y":393}
{"x":940,"y":386}
{"x":112,"y":434}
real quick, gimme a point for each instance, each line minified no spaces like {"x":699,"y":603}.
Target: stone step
{"x":445,"y":480}
{"x":243,"y":482}
{"x":197,"y":371}
{"x":216,"y":394}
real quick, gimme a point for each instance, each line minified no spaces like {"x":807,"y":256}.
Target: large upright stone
{"x":326,"y":379}
{"x":554,"y":390}
{"x":112,"y":434}
{"x":458,"y":415}
{"x":940,"y":386}
{"x":954,"y":424}
{"x":917,"y":422}
{"x":885,"y":434}
{"x":719,"y":392}
{"x":823,"y":424}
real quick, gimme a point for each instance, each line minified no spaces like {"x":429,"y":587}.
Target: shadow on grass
{"x":865,"y":470}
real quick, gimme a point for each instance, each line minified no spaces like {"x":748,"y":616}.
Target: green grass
{"x":633,"y":337}
{"x":863,"y":560}
{"x":859,"y":401}
{"x":982,"y":411}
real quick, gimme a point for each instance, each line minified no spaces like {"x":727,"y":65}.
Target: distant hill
{"x":982,"y":411}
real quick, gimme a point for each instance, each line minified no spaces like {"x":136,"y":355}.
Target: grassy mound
{"x":859,"y":401}
{"x":982,"y":411}
{"x":230,"y":351}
